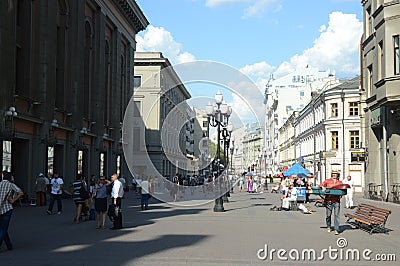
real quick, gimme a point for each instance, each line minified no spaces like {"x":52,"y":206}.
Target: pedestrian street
{"x":170,"y":235}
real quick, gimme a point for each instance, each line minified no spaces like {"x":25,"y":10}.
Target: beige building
{"x":380,"y":93}
{"x":286,"y":141}
{"x":65,"y":81}
{"x":201,"y":132}
{"x":328,"y":133}
{"x":162,"y":131}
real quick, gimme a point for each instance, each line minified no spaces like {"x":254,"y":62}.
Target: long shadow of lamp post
{"x":218,"y":116}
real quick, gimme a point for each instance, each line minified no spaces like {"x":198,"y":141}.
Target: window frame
{"x":354,"y":139}
{"x":335,"y":140}
{"x":354,"y":109}
{"x":396,"y":54}
{"x":334,"y":110}
{"x":135,"y":77}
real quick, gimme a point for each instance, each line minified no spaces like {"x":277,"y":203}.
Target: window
{"x":50,"y":161}
{"x":370,"y":81}
{"x":107,"y":83}
{"x":6,"y":162}
{"x":119,"y":165}
{"x":354,"y":139}
{"x":335,"y":140}
{"x":137,"y":81}
{"x":380,"y":59}
{"x":137,"y":111}
{"x":102,"y":164}
{"x":353,"y":108}
{"x":368,"y":21}
{"x":396,"y":55}
{"x":205,"y":123}
{"x":80,"y":162}
{"x":301,"y":93}
{"x":334,"y":110}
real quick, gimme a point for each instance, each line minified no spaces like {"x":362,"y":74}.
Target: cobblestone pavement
{"x":169,"y":235}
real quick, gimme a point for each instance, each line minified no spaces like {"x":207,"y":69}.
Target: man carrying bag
{"x":117,"y":193}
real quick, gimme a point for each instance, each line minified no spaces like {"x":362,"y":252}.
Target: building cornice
{"x":133,"y":14}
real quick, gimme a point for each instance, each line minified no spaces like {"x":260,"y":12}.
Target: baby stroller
{"x":85,"y":211}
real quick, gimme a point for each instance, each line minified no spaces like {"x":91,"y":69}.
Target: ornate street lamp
{"x":232,"y":172}
{"x":218,"y":116}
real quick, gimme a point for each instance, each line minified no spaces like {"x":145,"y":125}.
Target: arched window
{"x":61,"y":61}
{"x":122,"y":89}
{"x":107,"y":85}
{"x":88,"y":70}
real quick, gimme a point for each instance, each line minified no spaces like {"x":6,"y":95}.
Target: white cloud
{"x":259,"y":73}
{"x":216,"y":3}
{"x":158,"y":39}
{"x":336,"y":48}
{"x":254,"y":7}
{"x":260,"y":69}
{"x":258,"y":8}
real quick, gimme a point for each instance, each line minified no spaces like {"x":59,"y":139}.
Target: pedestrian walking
{"x":56,"y":184}
{"x":332,"y":202}
{"x":349,"y":195}
{"x":7,"y":189}
{"x":117,"y":193}
{"x":134,"y":183}
{"x":79,"y":184}
{"x":40,"y":189}
{"x":100,"y":202}
{"x":146,"y":187}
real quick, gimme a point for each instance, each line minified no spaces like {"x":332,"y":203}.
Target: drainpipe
{"x":385,"y":156}
{"x":343,"y":140}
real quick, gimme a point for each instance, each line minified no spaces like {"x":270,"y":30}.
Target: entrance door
{"x":356,"y":176}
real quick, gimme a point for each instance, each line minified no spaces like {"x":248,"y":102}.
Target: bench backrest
{"x":378,"y":214}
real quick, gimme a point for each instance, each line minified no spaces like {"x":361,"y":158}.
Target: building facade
{"x":380,"y":94}
{"x":163,"y":128}
{"x":66,"y":78}
{"x":283,"y":96}
{"x":287,"y":148}
{"x":328,"y":133}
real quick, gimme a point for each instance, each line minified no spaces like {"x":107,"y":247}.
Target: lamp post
{"x":226,"y":135}
{"x":218,"y":116}
{"x":232,"y":150}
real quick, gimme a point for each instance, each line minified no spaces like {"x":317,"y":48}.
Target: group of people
{"x":331,"y":202}
{"x":98,"y":193}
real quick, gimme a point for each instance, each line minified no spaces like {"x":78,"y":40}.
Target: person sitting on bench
{"x":275,"y":189}
{"x":291,"y":195}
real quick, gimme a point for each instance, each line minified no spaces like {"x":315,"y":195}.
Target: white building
{"x":328,"y":133}
{"x":161,"y":128}
{"x":283,"y":96}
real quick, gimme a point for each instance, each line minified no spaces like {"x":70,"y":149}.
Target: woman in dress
{"x":78,"y":183}
{"x":100,"y":201}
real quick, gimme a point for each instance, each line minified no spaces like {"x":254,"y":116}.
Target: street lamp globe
{"x":229,"y":128}
{"x":224,"y":109}
{"x":218,"y":97}
{"x":209,"y":109}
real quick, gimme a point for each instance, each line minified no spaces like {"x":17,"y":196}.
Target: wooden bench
{"x":370,"y":217}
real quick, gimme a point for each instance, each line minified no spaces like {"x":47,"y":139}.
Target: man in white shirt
{"x":145,"y":194}
{"x":349,"y":195}
{"x":56,"y":184}
{"x":291,"y":195}
{"x":117,"y":193}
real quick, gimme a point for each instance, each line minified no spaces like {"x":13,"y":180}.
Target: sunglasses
{"x":102,"y":180}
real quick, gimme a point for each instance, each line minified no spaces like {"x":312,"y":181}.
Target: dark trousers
{"x":4,"y":223}
{"x":41,"y":198}
{"x":54,"y":197}
{"x":145,"y":201}
{"x":118,"y":219}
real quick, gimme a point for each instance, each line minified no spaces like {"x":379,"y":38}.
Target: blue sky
{"x":257,"y":37}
